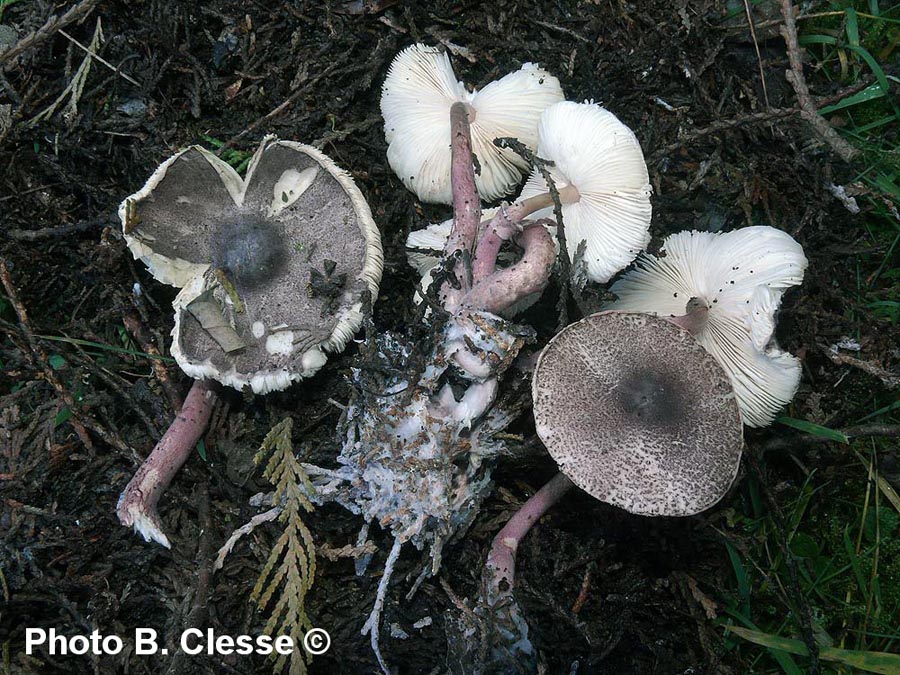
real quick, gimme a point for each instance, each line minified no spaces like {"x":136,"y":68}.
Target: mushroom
{"x":424,"y":426}
{"x":416,"y":98}
{"x":602,"y":182}
{"x":604,"y":189}
{"x":637,"y":414}
{"x":274,"y":270}
{"x":726,"y":288}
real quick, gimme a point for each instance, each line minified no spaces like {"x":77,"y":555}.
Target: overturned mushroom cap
{"x":638,"y":414}
{"x":602,"y":159}
{"x":740,"y":278}
{"x":274,"y":268}
{"x":420,"y":88}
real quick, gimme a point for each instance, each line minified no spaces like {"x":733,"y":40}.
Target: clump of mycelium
{"x":419,"y":444}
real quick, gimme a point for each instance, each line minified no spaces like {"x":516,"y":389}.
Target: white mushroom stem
{"x":137,"y":503}
{"x":500,"y":571}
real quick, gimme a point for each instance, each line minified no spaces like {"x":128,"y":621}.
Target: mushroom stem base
{"x":501,"y":562}
{"x":137,"y":503}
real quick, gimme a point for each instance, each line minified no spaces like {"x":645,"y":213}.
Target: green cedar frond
{"x":290,"y":569}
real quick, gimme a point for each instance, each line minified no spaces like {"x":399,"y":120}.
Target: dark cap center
{"x":650,"y":398}
{"x":249,"y":249}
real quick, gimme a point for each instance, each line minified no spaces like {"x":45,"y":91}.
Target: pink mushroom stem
{"x":530,"y":274}
{"x":500,"y":571}
{"x":695,"y":318}
{"x":137,"y":503}
{"x":506,"y":223}
{"x":466,"y":202}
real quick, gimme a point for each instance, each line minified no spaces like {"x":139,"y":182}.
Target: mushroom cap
{"x":295,"y":216}
{"x":741,"y":277}
{"x":638,"y":414}
{"x":592,"y":150}
{"x":415,"y":102}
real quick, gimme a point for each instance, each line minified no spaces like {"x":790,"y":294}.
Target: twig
{"x":762,"y":72}
{"x":100,"y":59}
{"x":795,"y":76}
{"x":60,"y":231}
{"x":888,"y":379}
{"x":287,"y":103}
{"x":246,"y":528}
{"x":756,"y":118}
{"x":134,"y":326}
{"x":52,"y":26}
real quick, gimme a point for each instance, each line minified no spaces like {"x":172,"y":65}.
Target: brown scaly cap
{"x":638,"y":414}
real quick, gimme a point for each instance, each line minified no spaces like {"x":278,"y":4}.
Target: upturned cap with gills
{"x":415,"y":102}
{"x":273,"y":268}
{"x":726,"y":288}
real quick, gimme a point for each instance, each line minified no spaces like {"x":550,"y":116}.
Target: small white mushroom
{"x":603,"y":185}
{"x":734,"y":283}
{"x":420,"y":88}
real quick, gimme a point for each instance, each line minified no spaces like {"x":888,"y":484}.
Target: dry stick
{"x":134,"y":326}
{"x":758,"y":117}
{"x":762,"y":72}
{"x":795,"y":76}
{"x":282,"y":107}
{"x":79,"y":415}
{"x":100,"y":59}
{"x":47,"y":30}
{"x":58,"y":231}
{"x":137,"y":503}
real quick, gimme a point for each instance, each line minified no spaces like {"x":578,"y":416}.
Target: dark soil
{"x":218,"y":69}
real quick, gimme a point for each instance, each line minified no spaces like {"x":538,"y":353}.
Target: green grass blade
{"x":852,"y":26}
{"x":817,"y":40}
{"x":876,"y":68}
{"x":814,"y":429}
{"x":870,"y":93}
{"x":104,"y":347}
{"x":788,"y":665}
{"x":871,"y":662}
{"x":881,"y":411}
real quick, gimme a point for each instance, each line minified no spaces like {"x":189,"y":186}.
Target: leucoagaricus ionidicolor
{"x":415,"y":102}
{"x":603,"y":185}
{"x":637,"y":414}
{"x":273,"y":268}
{"x":604,"y":191}
{"x":727,"y":289}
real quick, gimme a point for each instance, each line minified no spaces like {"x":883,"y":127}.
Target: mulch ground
{"x":235,"y":71}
